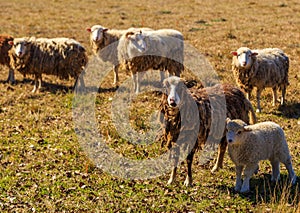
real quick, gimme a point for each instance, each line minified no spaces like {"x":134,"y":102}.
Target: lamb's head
{"x":97,"y":32}
{"x":136,"y":41}
{"x":244,"y":57}
{"x":19,"y":46}
{"x":235,"y":129}
{"x":175,"y":88}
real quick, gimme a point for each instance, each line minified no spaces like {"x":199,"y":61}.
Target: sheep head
{"x":235,"y":129}
{"x":174,"y":87}
{"x":136,"y":42}
{"x":97,"y":32}
{"x":20,"y":46}
{"x":244,"y":57}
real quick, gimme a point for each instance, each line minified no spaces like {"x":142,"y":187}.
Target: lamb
{"x":144,"y":50}
{"x":104,"y":43}
{"x":213,"y":105}
{"x":261,"y":68}
{"x":4,"y":57}
{"x":62,"y":57}
{"x":248,"y":144}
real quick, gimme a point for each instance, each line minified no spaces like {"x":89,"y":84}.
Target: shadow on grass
{"x":290,"y":110}
{"x":263,"y":191}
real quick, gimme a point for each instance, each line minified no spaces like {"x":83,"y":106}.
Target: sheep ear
{"x":89,"y":30}
{"x":11,"y":43}
{"x":128,"y":34}
{"x":228,"y":120}
{"x":104,"y":30}
{"x":247,"y":129}
{"x":254,"y":54}
{"x":234,"y":53}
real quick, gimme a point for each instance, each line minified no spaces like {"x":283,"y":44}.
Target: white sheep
{"x":214,"y":105}
{"x":62,"y":57}
{"x":104,"y":44}
{"x":261,"y":69}
{"x":4,"y":57}
{"x":143,"y":50}
{"x":249,"y":144}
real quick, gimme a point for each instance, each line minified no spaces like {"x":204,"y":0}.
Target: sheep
{"x":4,"y":57}
{"x":249,"y":144}
{"x":212,"y":109}
{"x":104,"y":43}
{"x":144,"y":50}
{"x":261,"y":68}
{"x":62,"y":57}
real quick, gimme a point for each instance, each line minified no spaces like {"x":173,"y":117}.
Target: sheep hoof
{"x":214,"y":169}
{"x":188,"y":182}
{"x":244,"y":191}
{"x":258,"y":110}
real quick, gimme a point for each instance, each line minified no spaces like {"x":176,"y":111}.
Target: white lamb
{"x":261,"y":69}
{"x":248,"y":144}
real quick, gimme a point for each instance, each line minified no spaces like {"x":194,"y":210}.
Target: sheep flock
{"x":230,"y":122}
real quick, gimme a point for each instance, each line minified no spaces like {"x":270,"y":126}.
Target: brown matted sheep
{"x":62,"y":57}
{"x":214,"y":105}
{"x":4,"y":57}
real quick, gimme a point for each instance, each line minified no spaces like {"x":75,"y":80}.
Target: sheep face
{"x":235,"y":129}
{"x":136,"y":43}
{"x":20,"y":47}
{"x":173,"y":86}
{"x":244,"y":57}
{"x":97,"y":32}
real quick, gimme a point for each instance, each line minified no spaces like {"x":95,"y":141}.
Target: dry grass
{"x":44,"y":169}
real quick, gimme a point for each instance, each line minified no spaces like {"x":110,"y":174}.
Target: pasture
{"x":42,"y":165}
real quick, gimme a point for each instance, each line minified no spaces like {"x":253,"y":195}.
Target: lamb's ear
{"x":89,"y":30}
{"x":234,"y":53}
{"x":128,"y":34}
{"x":11,"y":43}
{"x":228,"y":119}
{"x":247,"y":128}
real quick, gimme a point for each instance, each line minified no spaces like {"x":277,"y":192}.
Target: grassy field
{"x":42,"y":165}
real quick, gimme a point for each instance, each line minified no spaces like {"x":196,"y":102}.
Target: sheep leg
{"x":221,"y":153}
{"x":36,"y":83}
{"x":249,"y":170}
{"x":174,"y":157}
{"x":275,"y":170}
{"x":11,"y":76}
{"x":116,"y":76}
{"x":274,"y":96}
{"x":289,"y":167}
{"x":283,"y":91}
{"x":238,"y":181}
{"x":258,"y":93}
{"x":189,"y":180}
{"x":172,"y":176}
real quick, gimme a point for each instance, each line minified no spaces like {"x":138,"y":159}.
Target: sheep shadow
{"x":263,"y":190}
{"x":290,"y":110}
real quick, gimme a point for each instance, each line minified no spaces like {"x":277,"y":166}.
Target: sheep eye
{"x":239,"y":132}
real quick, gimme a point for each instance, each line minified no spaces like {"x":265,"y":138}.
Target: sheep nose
{"x":229,"y":140}
{"x":244,"y":63}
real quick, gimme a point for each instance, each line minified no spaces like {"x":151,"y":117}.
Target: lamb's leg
{"x":275,"y":170}
{"x":221,"y":153}
{"x":258,"y":93}
{"x":249,"y":170}
{"x":274,"y":89}
{"x":289,"y":167}
{"x":238,"y":181}
{"x":172,"y":176}
{"x":175,"y":158}
{"x":116,"y":75}
{"x":189,"y":179}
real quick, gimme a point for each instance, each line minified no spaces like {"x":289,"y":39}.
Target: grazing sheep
{"x":62,"y":57}
{"x":4,"y":57}
{"x":214,"y":104}
{"x":144,"y":50}
{"x":261,"y":68}
{"x":248,"y":144}
{"x":104,"y":43}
